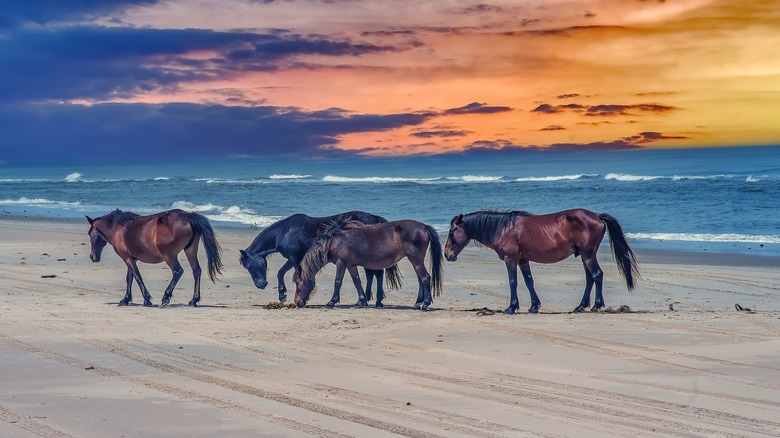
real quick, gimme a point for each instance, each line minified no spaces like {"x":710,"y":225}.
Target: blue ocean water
{"x":721,"y":199}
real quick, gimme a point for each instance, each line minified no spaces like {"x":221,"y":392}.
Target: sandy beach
{"x":74,"y":364}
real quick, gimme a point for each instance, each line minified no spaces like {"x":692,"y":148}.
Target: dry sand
{"x":72,"y":363}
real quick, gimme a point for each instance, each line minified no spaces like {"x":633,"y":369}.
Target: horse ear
{"x":90,"y":220}
{"x":459,"y":220}
{"x":243,"y":253}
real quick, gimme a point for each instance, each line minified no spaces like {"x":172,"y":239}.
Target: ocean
{"x":714,"y":199}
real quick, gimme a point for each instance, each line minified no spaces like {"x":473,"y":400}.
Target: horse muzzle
{"x":261,"y":284}
{"x":451,"y":257}
{"x":300,"y":303}
{"x":94,"y":258}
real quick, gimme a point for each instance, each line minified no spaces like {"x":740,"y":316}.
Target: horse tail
{"x":201,"y":226}
{"x":624,"y":256}
{"x":436,"y":260}
{"x":393,"y":277}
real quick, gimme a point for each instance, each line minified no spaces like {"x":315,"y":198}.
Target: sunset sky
{"x":89,"y":80}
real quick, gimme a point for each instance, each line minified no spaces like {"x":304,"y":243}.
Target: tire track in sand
{"x":176,"y":391}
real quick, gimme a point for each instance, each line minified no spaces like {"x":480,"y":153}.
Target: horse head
{"x":303,"y":289}
{"x":96,"y":240}
{"x":457,"y":239}
{"x":257,"y":265}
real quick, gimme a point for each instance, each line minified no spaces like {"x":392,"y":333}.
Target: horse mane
{"x":120,"y":217}
{"x":317,"y":256}
{"x":483,"y":225}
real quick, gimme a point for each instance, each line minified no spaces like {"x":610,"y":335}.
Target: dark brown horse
{"x":349,"y":244}
{"x":519,"y":237}
{"x":153,"y":239}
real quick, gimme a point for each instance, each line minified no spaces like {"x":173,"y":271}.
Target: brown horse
{"x":520,"y":237}
{"x":349,"y":244}
{"x":153,"y":239}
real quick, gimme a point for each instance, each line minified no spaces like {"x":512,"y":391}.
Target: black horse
{"x":292,"y":237}
{"x":519,"y":237}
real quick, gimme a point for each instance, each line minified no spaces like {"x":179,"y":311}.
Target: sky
{"x":92,"y":81}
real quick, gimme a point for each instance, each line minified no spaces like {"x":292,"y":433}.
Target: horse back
{"x":549,"y":238}
{"x":157,"y":237}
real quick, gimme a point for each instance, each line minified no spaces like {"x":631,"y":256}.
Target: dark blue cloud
{"x":19,"y":12}
{"x":101,"y":133}
{"x":86,"y":62}
{"x":478,"y":108}
{"x":494,"y":147}
{"x":604,"y":110}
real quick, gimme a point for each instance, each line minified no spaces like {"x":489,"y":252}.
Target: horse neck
{"x":479,"y":237}
{"x":110,"y":230}
{"x":265,"y":242}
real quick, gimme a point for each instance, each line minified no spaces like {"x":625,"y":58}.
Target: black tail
{"x":436,"y":261}
{"x":201,"y":226}
{"x":624,"y":256}
{"x":393,"y":278}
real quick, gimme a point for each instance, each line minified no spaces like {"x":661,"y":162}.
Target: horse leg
{"x":129,"y":294}
{"x":525,"y":269}
{"x":280,"y":278}
{"x":361,"y":302}
{"x":133,"y":266}
{"x":176,"y":271}
{"x":425,"y":285}
{"x":597,"y":275}
{"x":192,"y":257}
{"x":340,"y":268}
{"x":588,"y":287}
{"x":420,"y":295}
{"x":380,"y":291}
{"x":514,"y":303}
{"x":370,"y":273}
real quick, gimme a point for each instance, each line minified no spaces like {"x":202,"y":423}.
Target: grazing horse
{"x":292,"y":237}
{"x":520,"y":237}
{"x":349,"y":244}
{"x":153,"y":239}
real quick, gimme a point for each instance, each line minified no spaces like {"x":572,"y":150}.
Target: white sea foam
{"x":230,"y":181}
{"x":693,"y":237}
{"x":751,"y":179}
{"x":201,"y":208}
{"x":375,"y":179}
{"x":289,"y":176}
{"x":233,"y":213}
{"x":74,"y":177}
{"x":475,"y":178}
{"x":38,"y":202}
{"x":555,"y":178}
{"x":627,"y":177}
{"x":161,"y":178}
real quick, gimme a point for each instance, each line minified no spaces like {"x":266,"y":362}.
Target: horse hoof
{"x":379,"y":305}
{"x":193,"y":304}
{"x":148,"y":304}
{"x":510,"y":311}
{"x":533,"y":310}
{"x":164,"y":304}
{"x":330,"y":304}
{"x":123,"y":303}
{"x":595,"y":309}
{"x":417,"y":306}
{"x":361,"y":304}
{"x":579,"y":309}
{"x":282,"y":298}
